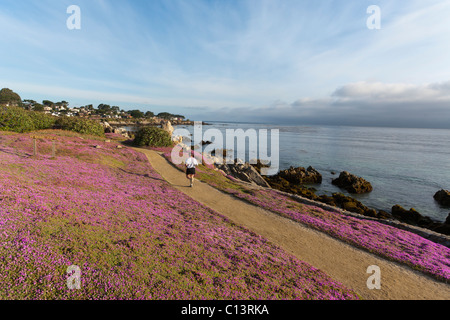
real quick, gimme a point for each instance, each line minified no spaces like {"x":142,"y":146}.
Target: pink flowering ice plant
{"x":132,"y":235}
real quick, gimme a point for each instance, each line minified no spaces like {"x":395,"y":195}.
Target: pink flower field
{"x":386,"y":241}
{"x":132,"y":235}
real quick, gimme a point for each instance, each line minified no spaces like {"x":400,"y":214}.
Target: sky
{"x":275,"y":61}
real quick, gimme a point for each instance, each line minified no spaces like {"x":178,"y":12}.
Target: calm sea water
{"x":404,"y":166}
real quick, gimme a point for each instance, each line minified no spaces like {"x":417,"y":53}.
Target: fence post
{"x":53,"y":149}
{"x":34,"y":146}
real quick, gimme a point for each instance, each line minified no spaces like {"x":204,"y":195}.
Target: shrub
{"x":42,"y":121}
{"x":15,"y":119}
{"x":19,"y":120}
{"x":80,"y":125}
{"x":153,"y":137}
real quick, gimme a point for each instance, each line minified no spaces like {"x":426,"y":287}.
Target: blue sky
{"x":289,"y":61}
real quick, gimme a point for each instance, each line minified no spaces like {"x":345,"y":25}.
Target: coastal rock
{"x":244,"y":172}
{"x":167,"y":126}
{"x":205,"y":143}
{"x":107,"y":127}
{"x":352,"y":205}
{"x":442,"y":197}
{"x":410,"y":216}
{"x":352,"y":183}
{"x":185,"y":147}
{"x":383,"y":214}
{"x":276,"y":182}
{"x":219,"y":152}
{"x":122,"y":131}
{"x":119,"y":130}
{"x":177,"y":139}
{"x":258,"y":164}
{"x":327,"y":200}
{"x":443,"y":227}
{"x":300,"y":175}
{"x":415,"y":218}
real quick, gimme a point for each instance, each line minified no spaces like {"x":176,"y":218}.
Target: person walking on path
{"x":190,"y":164}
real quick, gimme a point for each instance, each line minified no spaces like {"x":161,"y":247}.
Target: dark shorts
{"x":190,"y":171}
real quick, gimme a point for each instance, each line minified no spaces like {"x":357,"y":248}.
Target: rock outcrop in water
{"x":300,"y":175}
{"x":413,"y":217}
{"x":352,"y":183}
{"x":410,"y":216}
{"x":442,"y":197}
{"x":289,"y":181}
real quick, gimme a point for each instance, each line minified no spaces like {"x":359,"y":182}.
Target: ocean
{"x":404,"y":166}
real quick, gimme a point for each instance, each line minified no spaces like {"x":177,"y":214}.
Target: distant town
{"x":102,"y":111}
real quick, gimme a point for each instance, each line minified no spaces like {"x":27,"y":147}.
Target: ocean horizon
{"x":406,"y":166}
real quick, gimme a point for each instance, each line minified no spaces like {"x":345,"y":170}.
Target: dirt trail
{"x":339,"y":260}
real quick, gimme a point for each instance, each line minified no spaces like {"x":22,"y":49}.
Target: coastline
{"x":353,"y":226}
{"x":409,"y":180}
{"x":437,"y":232}
{"x":143,"y":123}
{"x":161,"y":164}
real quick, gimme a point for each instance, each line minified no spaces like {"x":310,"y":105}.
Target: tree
{"x":136,"y":113}
{"x":62,"y":104}
{"x":48,"y":103}
{"x":149,"y":114}
{"x":168,"y":116}
{"x":38,"y":107}
{"x":115,"y":109}
{"x":104,"y":108}
{"x":9,"y":97}
{"x":164,"y":115}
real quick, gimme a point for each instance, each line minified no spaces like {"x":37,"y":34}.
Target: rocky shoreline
{"x":293,"y":180}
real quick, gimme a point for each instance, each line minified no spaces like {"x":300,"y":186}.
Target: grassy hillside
{"x":133,"y":236}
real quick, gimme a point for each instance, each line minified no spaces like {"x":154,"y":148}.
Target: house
{"x":47,"y":109}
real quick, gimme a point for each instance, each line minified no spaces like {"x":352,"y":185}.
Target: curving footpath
{"x":339,"y":260}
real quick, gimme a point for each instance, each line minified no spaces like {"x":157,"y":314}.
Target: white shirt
{"x":191,"y":163}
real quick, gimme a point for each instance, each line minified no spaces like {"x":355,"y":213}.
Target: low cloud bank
{"x":360,"y":104}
